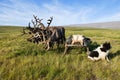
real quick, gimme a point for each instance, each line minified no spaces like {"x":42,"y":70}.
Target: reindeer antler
{"x":29,"y":25}
{"x":40,"y":24}
{"x":49,"y":21}
{"x":36,"y":19}
{"x":33,"y":23}
{"x":39,"y":20}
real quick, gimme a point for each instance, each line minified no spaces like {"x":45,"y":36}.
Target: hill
{"x":22,"y":60}
{"x":108,"y":25}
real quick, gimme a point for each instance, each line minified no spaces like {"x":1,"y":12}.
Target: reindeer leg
{"x":81,"y":42}
{"x":58,"y":44}
{"x":51,"y":44}
{"x":72,"y":42}
{"x":91,"y":58}
{"x":45,"y":45}
{"x":65,"y":51}
{"x":107,"y":59}
{"x":48,"y":46}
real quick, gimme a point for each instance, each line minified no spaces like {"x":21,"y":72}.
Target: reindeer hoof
{"x":48,"y":49}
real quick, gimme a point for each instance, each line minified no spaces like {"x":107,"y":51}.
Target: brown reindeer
{"x":48,"y":35}
{"x":55,"y":35}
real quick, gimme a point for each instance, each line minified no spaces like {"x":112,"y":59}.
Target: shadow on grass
{"x":27,"y":51}
{"x":113,"y":55}
{"x":77,"y":50}
{"x":35,"y":50}
{"x":93,"y":46}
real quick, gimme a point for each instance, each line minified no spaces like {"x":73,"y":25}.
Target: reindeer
{"x":82,"y":40}
{"x":56,"y":35}
{"x":36,"y":30}
{"x":48,"y":35}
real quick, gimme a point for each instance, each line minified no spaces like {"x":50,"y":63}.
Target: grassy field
{"x":22,"y":60}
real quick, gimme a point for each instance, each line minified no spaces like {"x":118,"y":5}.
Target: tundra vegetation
{"x":23,"y":60}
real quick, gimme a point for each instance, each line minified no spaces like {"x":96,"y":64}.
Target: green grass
{"x":22,"y":60}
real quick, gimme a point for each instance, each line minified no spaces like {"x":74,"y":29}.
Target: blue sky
{"x":64,"y":12}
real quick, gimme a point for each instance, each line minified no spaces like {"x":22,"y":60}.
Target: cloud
{"x":111,"y":17}
{"x":16,"y":12}
{"x":20,"y":12}
{"x":67,"y":14}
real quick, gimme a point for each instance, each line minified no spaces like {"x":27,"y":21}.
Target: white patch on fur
{"x":77,"y":38}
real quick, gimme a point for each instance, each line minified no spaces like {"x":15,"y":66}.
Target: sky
{"x":64,"y":12}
